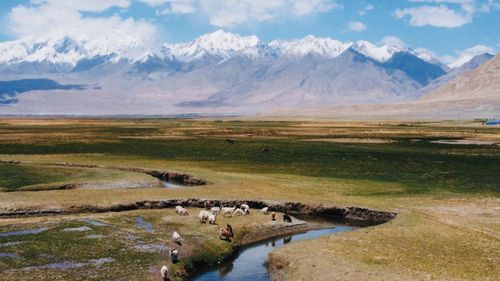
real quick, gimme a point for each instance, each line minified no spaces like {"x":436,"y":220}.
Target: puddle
{"x":24,"y":232}
{"x":142,"y":223}
{"x":95,"y":236}
{"x":77,"y":229}
{"x":11,"y":244}
{"x":171,"y":185}
{"x":465,"y":142}
{"x":9,"y":255}
{"x":69,"y":265}
{"x":249,"y":264}
{"x":95,"y":223}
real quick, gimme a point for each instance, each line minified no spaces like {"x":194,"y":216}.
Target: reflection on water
{"x":171,"y":185}
{"x":250,"y":262}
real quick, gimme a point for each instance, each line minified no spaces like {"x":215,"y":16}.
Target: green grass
{"x":421,"y":167}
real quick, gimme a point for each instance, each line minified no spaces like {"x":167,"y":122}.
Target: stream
{"x":249,"y":263}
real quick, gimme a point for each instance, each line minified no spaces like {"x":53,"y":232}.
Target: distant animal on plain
{"x":203,"y":216}
{"x":215,"y":210}
{"x":273,"y":216}
{"x":265,"y":150}
{"x":224,"y":234}
{"x":176,"y":237}
{"x":181,"y":211}
{"x":164,"y":273}
{"x":239,"y":212}
{"x":265,"y":210}
{"x":245,"y":208}
{"x":229,"y":141}
{"x":174,"y":255}
{"x":212,"y":219}
{"x":228,"y":211}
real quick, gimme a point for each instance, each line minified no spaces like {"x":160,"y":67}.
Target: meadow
{"x":446,"y":195}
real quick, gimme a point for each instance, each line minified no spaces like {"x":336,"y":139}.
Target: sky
{"x":450,"y":29}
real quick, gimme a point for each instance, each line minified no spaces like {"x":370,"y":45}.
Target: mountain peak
{"x":226,"y":41}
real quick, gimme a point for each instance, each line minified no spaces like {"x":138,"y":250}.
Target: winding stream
{"x":249,"y":264}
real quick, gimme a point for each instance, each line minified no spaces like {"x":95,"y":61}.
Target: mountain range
{"x":217,"y":73}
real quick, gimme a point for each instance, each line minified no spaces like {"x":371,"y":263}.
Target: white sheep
{"x":239,"y":212}
{"x":164,"y":273}
{"x":265,"y":210}
{"x":176,"y":238}
{"x":215,"y":210}
{"x":228,"y":211}
{"x":203,"y":216}
{"x":182,"y":212}
{"x":178,"y":208}
{"x":245,"y":208}
{"x":212,"y":218}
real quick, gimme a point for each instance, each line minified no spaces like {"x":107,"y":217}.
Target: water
{"x":250,"y":262}
{"x":171,"y":185}
{"x":24,"y":232}
{"x":142,"y":223}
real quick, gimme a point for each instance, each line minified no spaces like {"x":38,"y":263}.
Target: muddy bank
{"x":168,"y":176}
{"x":346,"y":215}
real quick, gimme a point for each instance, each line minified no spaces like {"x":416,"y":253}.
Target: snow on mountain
{"x":378,"y":53}
{"x":219,"y":45}
{"x":310,"y":45}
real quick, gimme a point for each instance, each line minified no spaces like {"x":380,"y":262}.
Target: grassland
{"x":446,"y":195}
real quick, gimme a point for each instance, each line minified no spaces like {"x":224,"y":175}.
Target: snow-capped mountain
{"x":219,"y":44}
{"x":216,"y":72}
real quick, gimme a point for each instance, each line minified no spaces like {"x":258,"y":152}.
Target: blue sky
{"x":449,"y":28}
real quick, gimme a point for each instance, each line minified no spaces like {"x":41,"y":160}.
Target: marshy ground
{"x":445,"y":194}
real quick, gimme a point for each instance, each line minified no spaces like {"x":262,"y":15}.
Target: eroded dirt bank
{"x":349,"y":215}
{"x":169,"y":176}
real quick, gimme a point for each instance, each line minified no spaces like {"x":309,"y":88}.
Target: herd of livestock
{"x":209,"y":214}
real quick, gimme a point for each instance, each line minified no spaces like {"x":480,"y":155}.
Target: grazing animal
{"x":181,"y":211}
{"x":174,"y":255}
{"x":245,"y":208}
{"x":177,"y":208}
{"x":177,"y":238}
{"x":224,"y":234}
{"x":265,"y":210}
{"x":239,"y":212}
{"x":287,"y":218}
{"x":249,"y":135}
{"x":215,"y":210}
{"x":203,"y":216}
{"x":273,"y":216}
{"x":228,"y":211}
{"x":212,"y":218}
{"x":265,"y":150}
{"x":164,"y":273}
{"x":229,"y":141}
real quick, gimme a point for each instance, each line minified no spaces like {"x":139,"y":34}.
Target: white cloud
{"x":464,"y":56}
{"x":439,"y":16}
{"x":86,"y":5}
{"x":55,"y":18}
{"x":393,"y":41}
{"x":366,"y":9}
{"x":462,"y":12}
{"x":307,"y":7}
{"x":356,"y":26}
{"x":230,"y":13}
